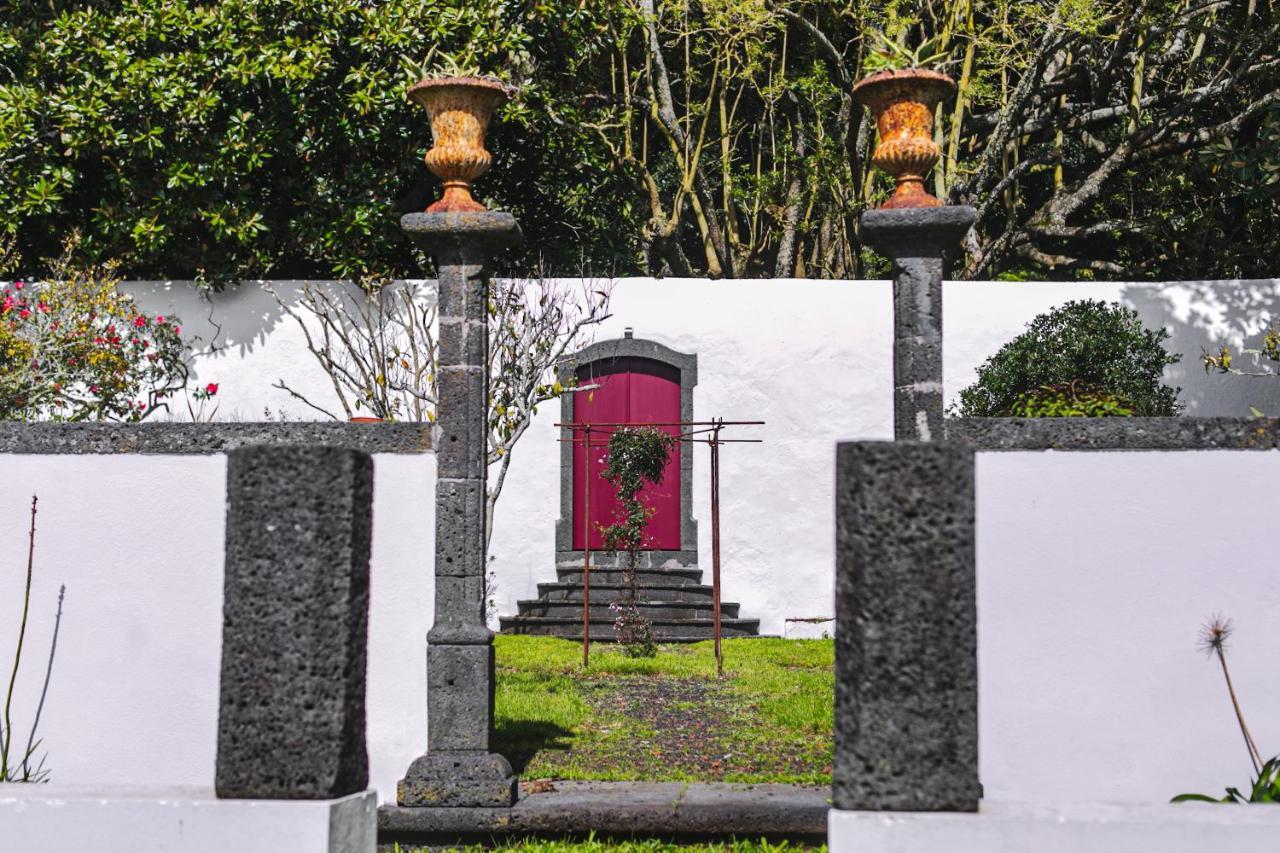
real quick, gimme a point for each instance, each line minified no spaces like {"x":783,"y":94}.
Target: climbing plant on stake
{"x":637,"y":455}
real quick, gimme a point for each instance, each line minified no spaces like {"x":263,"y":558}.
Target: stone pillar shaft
{"x":917,"y":241}
{"x":291,"y":720}
{"x":906,"y":653}
{"x":459,"y":769}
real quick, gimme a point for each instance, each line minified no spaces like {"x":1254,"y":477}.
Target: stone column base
{"x":458,"y":780}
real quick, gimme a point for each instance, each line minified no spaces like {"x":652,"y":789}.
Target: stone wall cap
{"x":1157,"y":433}
{"x":463,"y":229}
{"x":208,"y":438}
{"x":947,"y":218}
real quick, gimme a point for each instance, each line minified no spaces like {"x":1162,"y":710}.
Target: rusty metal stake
{"x":586,"y":554}
{"x":714,"y":443}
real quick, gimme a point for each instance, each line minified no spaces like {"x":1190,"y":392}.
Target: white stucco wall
{"x":138,"y":541}
{"x":812,"y":358}
{"x":1096,"y":571}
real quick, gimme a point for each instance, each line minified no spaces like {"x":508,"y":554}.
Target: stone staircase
{"x":674,"y":600}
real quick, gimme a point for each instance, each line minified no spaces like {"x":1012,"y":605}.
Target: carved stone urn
{"x":903,"y":103}
{"x":459,"y":109}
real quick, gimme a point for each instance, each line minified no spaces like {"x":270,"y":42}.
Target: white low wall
{"x":1095,"y":572}
{"x":138,"y":542}
{"x":1094,"y":828}
{"x":812,"y":358}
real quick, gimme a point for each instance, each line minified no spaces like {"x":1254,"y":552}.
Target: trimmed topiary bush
{"x":1098,"y":348}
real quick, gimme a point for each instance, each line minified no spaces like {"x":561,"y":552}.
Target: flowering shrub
{"x":75,"y":348}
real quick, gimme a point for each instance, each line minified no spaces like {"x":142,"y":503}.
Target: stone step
{"x":652,"y":610}
{"x":664,"y":630}
{"x":611,"y":591}
{"x":644,"y":577}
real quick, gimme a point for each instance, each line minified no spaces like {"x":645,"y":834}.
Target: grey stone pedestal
{"x":291,"y":722}
{"x":906,"y":720}
{"x":917,"y":241}
{"x":458,"y":768}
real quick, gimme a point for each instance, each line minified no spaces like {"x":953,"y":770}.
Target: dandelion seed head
{"x":1214,"y":634}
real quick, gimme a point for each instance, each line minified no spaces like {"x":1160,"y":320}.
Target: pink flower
{"x":24,"y":314}
{"x":139,"y":322}
{"x":17,"y":285}
{"x":177,"y":330}
{"x":160,"y":319}
{"x":93,"y":389}
{"x":211,"y":388}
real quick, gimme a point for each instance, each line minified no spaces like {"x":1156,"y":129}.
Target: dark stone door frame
{"x":600,"y":353}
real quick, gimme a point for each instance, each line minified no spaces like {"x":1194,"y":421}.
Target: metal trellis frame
{"x":691,"y":432}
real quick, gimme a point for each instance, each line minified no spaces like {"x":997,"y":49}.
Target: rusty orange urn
{"x":903,"y":103}
{"x":459,"y":109}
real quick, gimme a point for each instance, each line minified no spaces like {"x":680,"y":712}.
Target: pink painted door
{"x":627,"y":396}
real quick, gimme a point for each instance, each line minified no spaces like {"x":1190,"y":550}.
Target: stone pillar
{"x":458,"y":768}
{"x":917,"y":240}
{"x":906,"y":714}
{"x":291,"y":720}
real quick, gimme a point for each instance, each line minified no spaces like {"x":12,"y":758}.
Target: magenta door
{"x":629,"y":395}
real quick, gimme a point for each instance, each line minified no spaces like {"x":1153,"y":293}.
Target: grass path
{"x":667,"y":718}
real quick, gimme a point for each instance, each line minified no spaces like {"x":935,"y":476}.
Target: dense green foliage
{"x":1068,"y":401}
{"x":258,"y":138}
{"x":1088,"y":343}
{"x":271,"y":138}
{"x":667,"y":718}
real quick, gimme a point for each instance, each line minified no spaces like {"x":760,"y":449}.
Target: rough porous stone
{"x":291,"y":721}
{"x":209,"y":438}
{"x":918,"y":242}
{"x":459,"y":707}
{"x":458,"y":780}
{"x":906,"y":714}
{"x":1176,"y":433}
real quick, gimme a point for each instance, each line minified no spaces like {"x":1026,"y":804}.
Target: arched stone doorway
{"x":635,"y":381}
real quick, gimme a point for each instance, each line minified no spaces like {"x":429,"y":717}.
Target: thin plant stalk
{"x":48,"y":674}
{"x":17,"y":655}
{"x":1213,"y":638}
{"x":1254,"y":755}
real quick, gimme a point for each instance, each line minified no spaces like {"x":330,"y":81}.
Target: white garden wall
{"x":1095,"y":569}
{"x":1095,"y":572}
{"x":138,"y":541}
{"x":812,"y":358}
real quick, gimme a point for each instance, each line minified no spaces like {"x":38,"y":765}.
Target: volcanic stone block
{"x":918,"y":242}
{"x":291,"y":722}
{"x":906,"y":653}
{"x":461,"y":451}
{"x":458,"y":780}
{"x":459,"y":530}
{"x":460,"y":685}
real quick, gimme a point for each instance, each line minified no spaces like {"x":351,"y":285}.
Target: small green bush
{"x":1100,"y":348}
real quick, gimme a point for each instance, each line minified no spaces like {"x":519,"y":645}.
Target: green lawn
{"x":769,"y":719}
